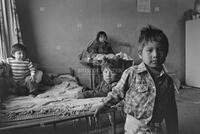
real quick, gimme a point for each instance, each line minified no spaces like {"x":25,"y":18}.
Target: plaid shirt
{"x":138,"y":89}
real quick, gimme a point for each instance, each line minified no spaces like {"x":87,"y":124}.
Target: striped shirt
{"x":20,"y":69}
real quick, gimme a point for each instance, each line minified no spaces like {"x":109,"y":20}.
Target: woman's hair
{"x":113,"y":64}
{"x":18,"y":47}
{"x":101,"y":33}
{"x":151,"y":34}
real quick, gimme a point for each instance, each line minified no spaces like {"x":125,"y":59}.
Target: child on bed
{"x":146,"y":88}
{"x":25,"y":78}
{"x":112,"y":70}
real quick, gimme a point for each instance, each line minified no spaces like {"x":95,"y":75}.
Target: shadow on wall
{"x":27,"y":29}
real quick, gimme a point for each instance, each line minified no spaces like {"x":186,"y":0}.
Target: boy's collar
{"x":142,"y":68}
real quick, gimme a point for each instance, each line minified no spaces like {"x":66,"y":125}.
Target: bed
{"x":56,"y":104}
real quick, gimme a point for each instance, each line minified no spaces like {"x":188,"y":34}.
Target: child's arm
{"x":2,"y":62}
{"x":103,"y":89}
{"x":110,"y":49}
{"x":92,"y":48}
{"x":171,"y":117}
{"x":118,"y":92}
{"x":6,"y":61}
{"x":32,"y":70}
{"x":88,"y":94}
{"x":93,"y":92}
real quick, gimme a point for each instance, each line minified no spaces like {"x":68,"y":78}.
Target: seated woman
{"x":100,"y":45}
{"x":98,"y":49}
{"x":112,"y":71}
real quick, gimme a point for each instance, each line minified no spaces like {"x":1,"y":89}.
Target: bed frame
{"x":54,"y":120}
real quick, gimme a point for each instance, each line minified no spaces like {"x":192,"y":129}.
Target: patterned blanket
{"x":59,"y":100}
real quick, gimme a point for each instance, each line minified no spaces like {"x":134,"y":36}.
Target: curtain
{"x":9,"y":27}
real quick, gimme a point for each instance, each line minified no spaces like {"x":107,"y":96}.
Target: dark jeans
{"x":25,"y":87}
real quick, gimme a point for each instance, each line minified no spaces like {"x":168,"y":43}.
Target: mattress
{"x":59,"y":101}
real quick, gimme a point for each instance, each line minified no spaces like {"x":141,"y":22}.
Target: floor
{"x":188,"y":103}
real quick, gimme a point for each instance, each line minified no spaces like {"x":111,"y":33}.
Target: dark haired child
{"x":147,"y":90}
{"x":25,"y":79}
{"x":112,"y":71}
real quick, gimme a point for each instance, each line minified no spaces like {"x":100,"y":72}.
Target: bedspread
{"x":59,"y":100}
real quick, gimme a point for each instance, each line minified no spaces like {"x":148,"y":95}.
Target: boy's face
{"x":102,"y":38}
{"x":108,"y":75}
{"x":153,"y":55}
{"x":19,"y":55}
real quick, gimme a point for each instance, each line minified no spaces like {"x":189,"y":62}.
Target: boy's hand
{"x":100,"y":109}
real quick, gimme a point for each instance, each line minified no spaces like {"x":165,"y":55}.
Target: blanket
{"x":59,"y":100}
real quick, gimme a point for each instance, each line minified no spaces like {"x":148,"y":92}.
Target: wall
{"x":56,"y":31}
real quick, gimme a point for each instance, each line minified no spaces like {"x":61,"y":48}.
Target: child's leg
{"x":31,"y":86}
{"x":18,"y":88}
